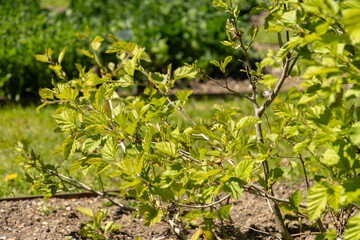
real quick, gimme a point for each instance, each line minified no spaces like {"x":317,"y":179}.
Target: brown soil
{"x":25,"y":220}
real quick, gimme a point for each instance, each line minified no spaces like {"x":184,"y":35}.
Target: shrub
{"x":170,"y":169}
{"x":173,"y":31}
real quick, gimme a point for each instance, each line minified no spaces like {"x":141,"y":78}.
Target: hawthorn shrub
{"x":186,"y":176}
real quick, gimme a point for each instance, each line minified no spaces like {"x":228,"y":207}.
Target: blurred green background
{"x":177,"y":32}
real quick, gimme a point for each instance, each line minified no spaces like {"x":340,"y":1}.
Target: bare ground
{"x":25,"y":220}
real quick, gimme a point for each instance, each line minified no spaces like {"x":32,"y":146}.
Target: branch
{"x":259,"y":231}
{"x":201,"y":206}
{"x":276,"y":90}
{"x":227,"y":87}
{"x":259,"y":192}
{"x":172,"y":104}
{"x":75,"y":183}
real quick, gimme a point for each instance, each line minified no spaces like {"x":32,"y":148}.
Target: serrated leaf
{"x":316,"y":200}
{"x":352,"y":230}
{"x":101,"y":165}
{"x":330,"y":157}
{"x":296,"y":198}
{"x":110,"y":149}
{"x":69,"y":146}
{"x":183,"y":95}
{"x":247,"y":121}
{"x":333,"y":196}
{"x":244,"y":169}
{"x":152,"y":215}
{"x":168,"y":148}
{"x":66,"y":119}
{"x":131,"y":128}
{"x":92,"y":142}
{"x":76,"y":166}
{"x":46,"y":93}
{"x":87,"y":211}
{"x":234,"y":187}
{"x":41,"y":58}
{"x":68,"y":93}
{"x":184,"y":72}
{"x":61,"y":55}
{"x":288,"y":46}
{"x":121,"y":46}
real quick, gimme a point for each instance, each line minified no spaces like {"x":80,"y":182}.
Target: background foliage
{"x":172,"y":31}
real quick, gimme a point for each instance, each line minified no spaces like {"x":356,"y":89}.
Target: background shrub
{"x":172,"y":31}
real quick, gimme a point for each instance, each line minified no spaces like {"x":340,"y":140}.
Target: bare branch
{"x":201,"y":206}
{"x":81,"y":185}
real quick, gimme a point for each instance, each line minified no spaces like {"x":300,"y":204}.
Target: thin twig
{"x":75,"y":183}
{"x":259,"y":231}
{"x":201,"y":206}
{"x":227,"y":87}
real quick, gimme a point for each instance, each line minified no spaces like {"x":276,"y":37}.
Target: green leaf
{"x":275,"y":173}
{"x":109,"y":150}
{"x":152,"y":215}
{"x":208,"y":235}
{"x":220,"y":4}
{"x":184,"y":72}
{"x":168,"y":148}
{"x":330,"y":157}
{"x":316,"y":200}
{"x":140,"y":162}
{"x":101,"y":165}
{"x":87,"y":53}
{"x":41,"y":58}
{"x":227,"y":60}
{"x":224,"y":211}
{"x":87,"y":211}
{"x":46,"y":93}
{"x":68,"y":93}
{"x":355,"y":133}
{"x":197,"y":234}
{"x":288,"y":46}
{"x":96,"y":43}
{"x":352,"y":24}
{"x":352,"y":230}
{"x":296,"y":198}
{"x":76,"y":166}
{"x":92,"y":142}
{"x":333,"y":196}
{"x":244,"y":169}
{"x":66,"y":119}
{"x":215,"y":63}
{"x":246,"y":122}
{"x":183,"y":95}
{"x":69,"y":146}
{"x":318,"y":70}
{"x":121,"y":46}
{"x":234,"y":187}
{"x":61,"y":55}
